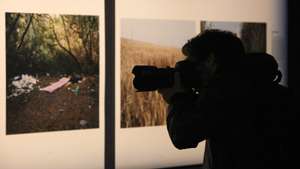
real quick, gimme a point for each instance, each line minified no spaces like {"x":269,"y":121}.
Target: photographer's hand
{"x":167,"y":93}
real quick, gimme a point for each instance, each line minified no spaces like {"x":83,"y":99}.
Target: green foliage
{"x":42,"y":43}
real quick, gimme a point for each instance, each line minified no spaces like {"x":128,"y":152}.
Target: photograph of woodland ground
{"x":52,"y":72}
{"x":148,"y":42}
{"x":253,"y":35}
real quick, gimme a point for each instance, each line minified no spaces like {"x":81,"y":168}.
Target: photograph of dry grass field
{"x":148,"y":42}
{"x":253,"y":35}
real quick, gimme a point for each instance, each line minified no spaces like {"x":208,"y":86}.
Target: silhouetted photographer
{"x":226,"y":97}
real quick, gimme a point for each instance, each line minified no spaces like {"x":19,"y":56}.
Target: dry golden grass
{"x":140,"y":109}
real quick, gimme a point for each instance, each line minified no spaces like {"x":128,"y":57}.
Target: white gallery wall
{"x":145,"y":147}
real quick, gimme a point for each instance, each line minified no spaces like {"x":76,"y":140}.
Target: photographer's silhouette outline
{"x":240,"y":108}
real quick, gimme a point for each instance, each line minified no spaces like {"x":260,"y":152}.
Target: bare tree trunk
{"x":25,"y":32}
{"x":85,"y":43}
{"x":66,"y":33}
{"x":66,"y":50}
{"x":91,"y":45}
{"x":13,"y":26}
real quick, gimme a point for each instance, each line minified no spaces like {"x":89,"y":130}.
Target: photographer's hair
{"x":224,"y":45}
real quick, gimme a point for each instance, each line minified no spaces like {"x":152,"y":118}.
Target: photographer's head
{"x":225,"y":46}
{"x":216,"y":52}
{"x":213,"y":57}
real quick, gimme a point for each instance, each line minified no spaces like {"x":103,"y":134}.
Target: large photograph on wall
{"x":52,"y":72}
{"x":148,"y":42}
{"x":253,"y":35}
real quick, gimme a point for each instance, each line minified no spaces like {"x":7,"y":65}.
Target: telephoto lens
{"x":150,"y":78}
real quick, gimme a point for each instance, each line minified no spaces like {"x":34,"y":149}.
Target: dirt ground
{"x":64,"y":109}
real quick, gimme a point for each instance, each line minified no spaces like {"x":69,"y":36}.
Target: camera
{"x":151,"y":78}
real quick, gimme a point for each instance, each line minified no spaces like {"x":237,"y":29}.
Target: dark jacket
{"x":245,"y":127}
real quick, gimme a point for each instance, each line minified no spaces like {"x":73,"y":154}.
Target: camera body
{"x":151,"y":78}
